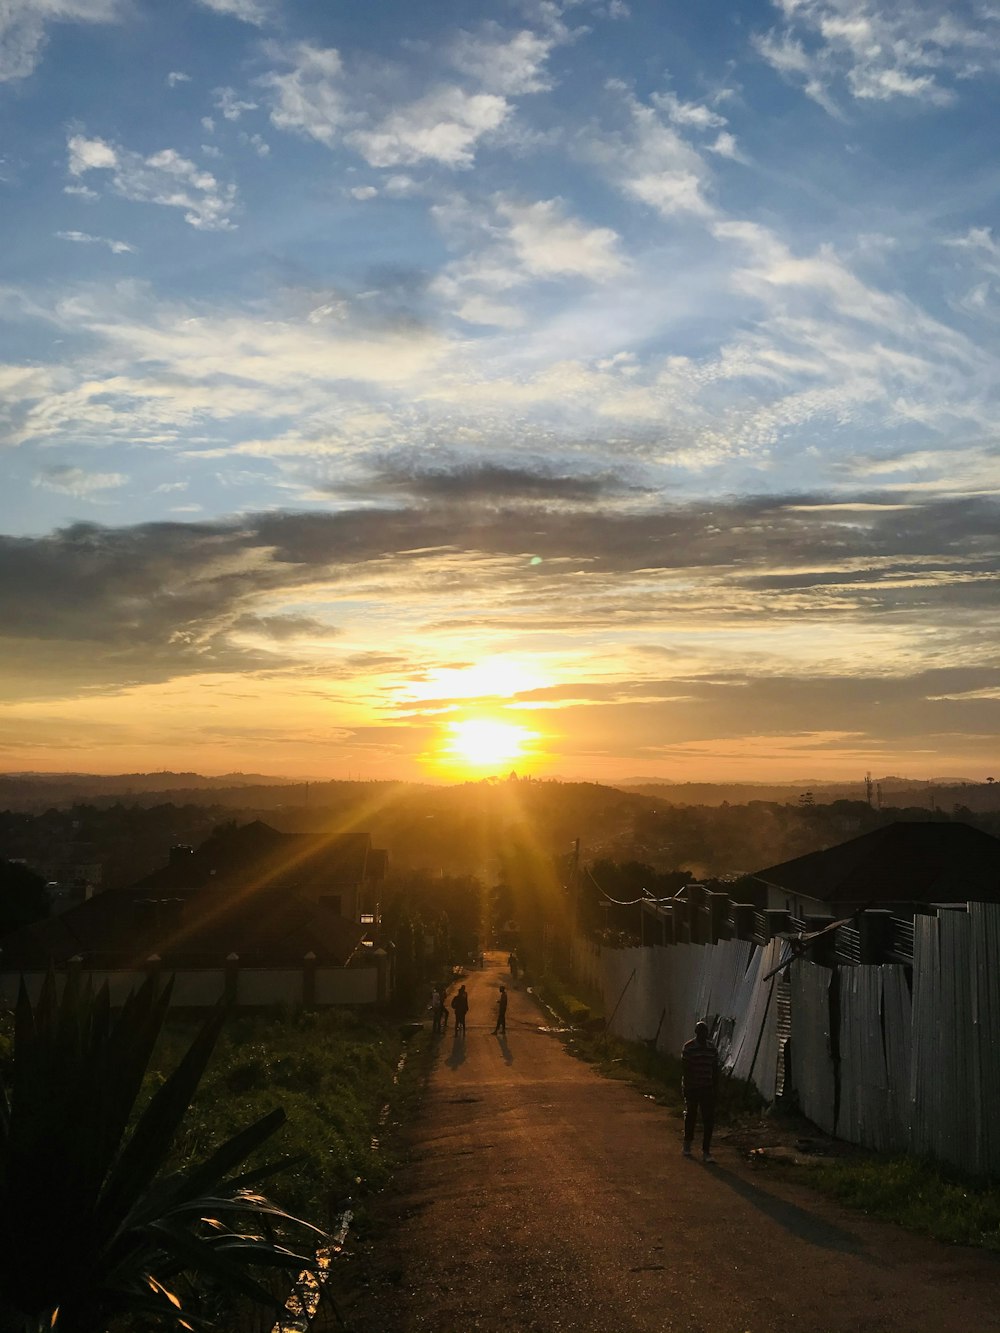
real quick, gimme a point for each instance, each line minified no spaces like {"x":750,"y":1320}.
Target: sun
{"x":479,"y":742}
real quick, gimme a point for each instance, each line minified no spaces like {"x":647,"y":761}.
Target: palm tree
{"x":94,"y":1226}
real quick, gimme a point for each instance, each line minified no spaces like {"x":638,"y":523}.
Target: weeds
{"x":919,"y":1195}
{"x":331,"y":1070}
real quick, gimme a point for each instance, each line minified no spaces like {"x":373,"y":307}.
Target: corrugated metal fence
{"x":898,"y":1059}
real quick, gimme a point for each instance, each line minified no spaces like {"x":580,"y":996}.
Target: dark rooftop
{"x":901,"y":862}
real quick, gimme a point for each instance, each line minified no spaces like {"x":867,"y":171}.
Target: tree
{"x":94,"y":1228}
{"x":23,"y":896}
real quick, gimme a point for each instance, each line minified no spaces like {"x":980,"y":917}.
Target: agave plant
{"x":95,"y":1230}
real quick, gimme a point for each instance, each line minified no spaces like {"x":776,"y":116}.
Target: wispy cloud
{"x":165,"y":178}
{"x":77,"y":482}
{"x":379,"y":114}
{"x":257,"y":12}
{"x":84,"y":238}
{"x":24,"y":26}
{"x":650,"y":160}
{"x":915,"y":51}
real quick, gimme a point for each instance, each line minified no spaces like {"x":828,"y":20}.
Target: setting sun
{"x":484,"y":743}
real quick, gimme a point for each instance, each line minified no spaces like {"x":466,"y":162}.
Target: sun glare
{"x":481,"y":743}
{"x":494,"y":677}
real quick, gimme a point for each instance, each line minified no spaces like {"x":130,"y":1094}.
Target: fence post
{"x":718,"y":912}
{"x":232,"y":977}
{"x":743,"y":920}
{"x":823,"y":950}
{"x":875,"y":930}
{"x":309,"y":980}
{"x":775,"y":921}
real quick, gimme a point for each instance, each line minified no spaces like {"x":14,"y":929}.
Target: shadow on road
{"x":457,"y":1056}
{"x":794,"y":1219}
{"x":505,"y":1050}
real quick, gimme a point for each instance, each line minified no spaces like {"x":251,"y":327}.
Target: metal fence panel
{"x":985,"y":921}
{"x":812,"y":1063}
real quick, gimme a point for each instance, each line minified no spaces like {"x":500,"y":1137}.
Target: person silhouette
{"x":501,"y":1013}
{"x":699,"y":1083}
{"x":460,"y":1007}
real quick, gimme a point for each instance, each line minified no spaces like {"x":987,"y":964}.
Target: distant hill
{"x":59,"y":825}
{"x":927,"y":794}
{"x":36,"y":791}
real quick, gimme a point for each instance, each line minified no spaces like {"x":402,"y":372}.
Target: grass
{"x":921,"y":1196}
{"x":331,"y":1070}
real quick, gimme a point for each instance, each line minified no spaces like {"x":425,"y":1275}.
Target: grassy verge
{"x":920,"y":1196}
{"x":332,"y":1071}
{"x":570,"y":1000}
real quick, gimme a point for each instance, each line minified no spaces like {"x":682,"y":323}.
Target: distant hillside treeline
{"x":469,"y":829}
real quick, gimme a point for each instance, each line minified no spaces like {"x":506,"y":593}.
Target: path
{"x":543,"y":1198}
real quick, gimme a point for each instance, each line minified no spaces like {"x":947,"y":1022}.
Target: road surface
{"x":543,"y":1198}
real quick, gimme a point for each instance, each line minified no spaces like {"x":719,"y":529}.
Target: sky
{"x":596,"y":389}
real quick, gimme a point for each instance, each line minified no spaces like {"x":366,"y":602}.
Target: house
{"x":265,"y":916}
{"x":901,"y":864}
{"x":343,"y":872}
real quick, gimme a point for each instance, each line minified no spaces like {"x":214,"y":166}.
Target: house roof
{"x":188,"y":928}
{"x":248,"y":890}
{"x":900,"y":862}
{"x":256,"y":854}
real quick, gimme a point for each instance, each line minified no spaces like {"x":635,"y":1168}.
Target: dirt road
{"x":543,"y":1198}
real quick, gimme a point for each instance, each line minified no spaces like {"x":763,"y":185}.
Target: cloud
{"x":248,"y":11}
{"x":319,"y":98}
{"x":282,"y":628}
{"x":650,"y":161}
{"x":311,"y":98}
{"x":177,"y":76}
{"x":24,"y":27}
{"x":548,"y":244}
{"x":495,"y":484}
{"x":510,"y":243}
{"x":917,"y":51}
{"x":168,"y":368}
{"x":165,"y":178}
{"x":443,"y":126}
{"x":84,"y":238}
{"x":230,"y":104}
{"x":166,"y":599}
{"x":502,"y":62}
{"x":77,"y":482}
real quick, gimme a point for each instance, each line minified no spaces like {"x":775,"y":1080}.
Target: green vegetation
{"x":97,"y":1228}
{"x":921,"y":1196}
{"x":565,"y":999}
{"x":332,"y":1072}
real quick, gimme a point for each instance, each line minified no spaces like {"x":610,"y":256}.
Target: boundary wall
{"x":250,"y":987}
{"x":895,"y":1057}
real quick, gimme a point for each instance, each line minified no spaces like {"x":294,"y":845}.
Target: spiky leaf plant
{"x":96,"y":1233}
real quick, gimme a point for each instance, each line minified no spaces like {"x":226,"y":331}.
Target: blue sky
{"x":624,"y":371}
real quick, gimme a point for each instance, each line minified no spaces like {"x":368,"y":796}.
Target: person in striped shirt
{"x":699,"y":1083}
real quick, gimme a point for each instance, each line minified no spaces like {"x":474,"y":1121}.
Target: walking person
{"x":501,"y":1013}
{"x":460,"y":1007}
{"x":699,"y":1084}
{"x":437,"y":1009}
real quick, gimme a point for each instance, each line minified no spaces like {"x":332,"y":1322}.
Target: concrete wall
{"x":203,"y":988}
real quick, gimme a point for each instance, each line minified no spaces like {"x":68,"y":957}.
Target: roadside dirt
{"x":543,"y":1198}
